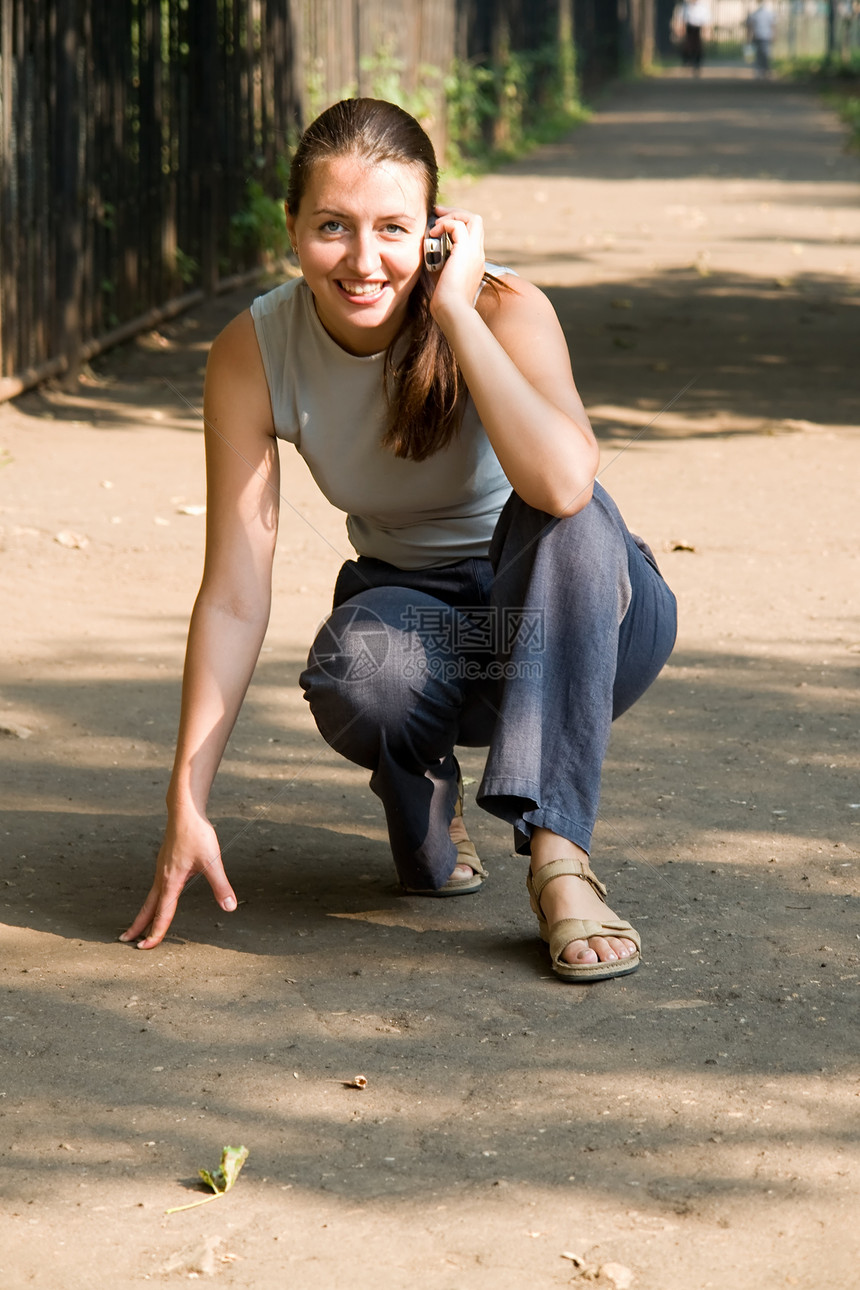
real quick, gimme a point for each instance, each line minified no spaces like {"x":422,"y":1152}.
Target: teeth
{"x":362,"y":289}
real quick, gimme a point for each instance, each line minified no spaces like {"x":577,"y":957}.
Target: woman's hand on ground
{"x":188,"y":849}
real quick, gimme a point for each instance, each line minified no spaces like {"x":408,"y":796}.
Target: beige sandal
{"x":560,"y":934}
{"x":466,"y":854}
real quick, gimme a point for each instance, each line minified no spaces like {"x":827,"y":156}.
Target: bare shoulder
{"x":522,"y":319}
{"x":236,"y":377}
{"x":237,"y":345}
{"x":515,"y":302}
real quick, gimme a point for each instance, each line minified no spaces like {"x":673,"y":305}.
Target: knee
{"x":368,"y":683}
{"x":343,"y":681}
{"x":579,"y":561}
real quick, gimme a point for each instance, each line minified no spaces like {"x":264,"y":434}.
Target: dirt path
{"x":690,"y":1127}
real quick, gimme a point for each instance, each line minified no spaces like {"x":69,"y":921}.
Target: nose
{"x":364,"y":252}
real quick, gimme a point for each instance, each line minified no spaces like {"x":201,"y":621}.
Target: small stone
{"x":620,"y":1276}
{"x":74,"y":541}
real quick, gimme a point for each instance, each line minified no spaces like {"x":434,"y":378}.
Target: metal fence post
{"x":68,"y":206}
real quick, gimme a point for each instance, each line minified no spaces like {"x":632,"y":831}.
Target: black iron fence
{"x":127,"y":139}
{"x":144,"y":143}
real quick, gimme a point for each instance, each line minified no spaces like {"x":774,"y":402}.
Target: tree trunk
{"x":566,"y":55}
{"x":642,"y":31}
{"x":831,"y":30}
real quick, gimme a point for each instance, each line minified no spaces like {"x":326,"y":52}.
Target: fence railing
{"x":126,"y":145}
{"x":144,"y":143}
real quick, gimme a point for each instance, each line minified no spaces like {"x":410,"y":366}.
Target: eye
{"x":395,"y":228}
{"x":331,"y":226}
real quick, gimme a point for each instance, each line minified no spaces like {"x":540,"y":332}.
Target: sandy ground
{"x":689,"y":1127}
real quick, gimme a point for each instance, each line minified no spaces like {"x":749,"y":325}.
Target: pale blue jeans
{"x":532,"y":652}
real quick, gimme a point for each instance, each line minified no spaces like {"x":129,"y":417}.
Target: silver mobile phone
{"x":436,"y":252}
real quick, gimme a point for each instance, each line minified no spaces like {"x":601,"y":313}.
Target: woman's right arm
{"x":229,"y":620}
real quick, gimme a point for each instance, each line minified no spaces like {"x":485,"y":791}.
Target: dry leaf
{"x":358,"y":1081}
{"x":681,"y":546}
{"x":16,"y":732}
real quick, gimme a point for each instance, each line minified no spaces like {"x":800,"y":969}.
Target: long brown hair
{"x":426,"y":390}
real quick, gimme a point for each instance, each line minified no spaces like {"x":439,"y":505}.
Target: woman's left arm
{"x":515,"y":360}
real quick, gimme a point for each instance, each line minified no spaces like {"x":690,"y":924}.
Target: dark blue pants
{"x":532,"y":653}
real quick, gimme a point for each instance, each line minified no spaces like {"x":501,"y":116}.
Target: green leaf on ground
{"x":220,"y":1179}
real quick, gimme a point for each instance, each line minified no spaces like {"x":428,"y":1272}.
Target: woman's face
{"x":359,"y":231}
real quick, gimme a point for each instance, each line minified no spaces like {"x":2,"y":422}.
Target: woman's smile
{"x":366,"y":292}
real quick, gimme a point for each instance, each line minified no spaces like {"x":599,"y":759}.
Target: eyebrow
{"x":400,"y":218}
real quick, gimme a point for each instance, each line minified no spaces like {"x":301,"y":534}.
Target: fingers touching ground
{"x":158,"y":910}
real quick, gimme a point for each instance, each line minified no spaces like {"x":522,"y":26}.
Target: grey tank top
{"x":332,"y":406}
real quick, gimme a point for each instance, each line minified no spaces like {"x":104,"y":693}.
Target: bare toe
{"x":623,"y":948}
{"x":598,"y":949}
{"x":579,"y":952}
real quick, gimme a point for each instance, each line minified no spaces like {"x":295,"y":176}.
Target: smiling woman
{"x":497,"y":598}
{"x":378,"y":163}
{"x":358,"y":233}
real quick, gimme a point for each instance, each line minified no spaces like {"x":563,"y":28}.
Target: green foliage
{"x":259,"y":229}
{"x":495,"y":113}
{"x":106,"y":216}
{"x":382,"y":78}
{"x":492,"y":113}
{"x":470,"y":93}
{"x":848,"y":107}
{"x":186,"y":267}
{"x":821,"y":68}
{"x":838,"y":79}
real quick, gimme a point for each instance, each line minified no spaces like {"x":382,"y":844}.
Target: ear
{"x":291,"y":228}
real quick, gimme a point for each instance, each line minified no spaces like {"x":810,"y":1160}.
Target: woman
{"x":497,"y":598}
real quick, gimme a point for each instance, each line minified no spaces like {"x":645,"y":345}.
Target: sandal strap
{"x":466,"y":854}
{"x":580,"y":929}
{"x":569,"y":866}
{"x":461,"y":791}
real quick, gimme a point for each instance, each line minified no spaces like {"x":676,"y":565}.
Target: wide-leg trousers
{"x":532,"y":653}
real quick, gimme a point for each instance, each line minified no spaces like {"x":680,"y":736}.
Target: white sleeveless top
{"x":332,"y":406}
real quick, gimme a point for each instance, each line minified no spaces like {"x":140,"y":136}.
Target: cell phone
{"x":436,"y":251}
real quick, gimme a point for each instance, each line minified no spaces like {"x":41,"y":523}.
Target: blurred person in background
{"x":691,"y":26}
{"x":761,"y":25}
